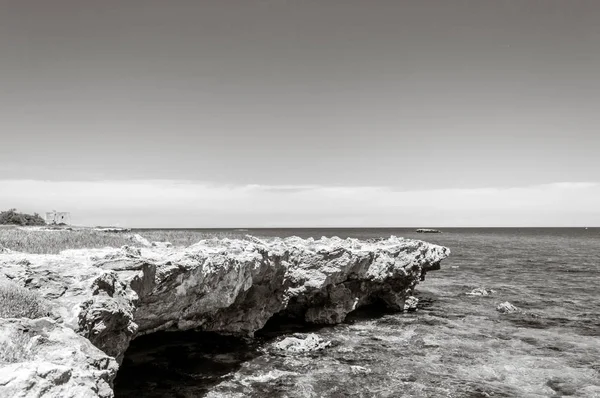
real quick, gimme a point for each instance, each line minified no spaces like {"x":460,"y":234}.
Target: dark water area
{"x":455,"y":345}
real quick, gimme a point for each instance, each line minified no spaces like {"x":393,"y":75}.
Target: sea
{"x":454,"y":345}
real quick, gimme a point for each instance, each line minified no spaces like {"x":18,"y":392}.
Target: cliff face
{"x":228,"y":286}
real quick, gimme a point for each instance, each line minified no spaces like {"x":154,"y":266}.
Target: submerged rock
{"x":480,"y":292}
{"x":507,"y":308}
{"x":228,"y":286}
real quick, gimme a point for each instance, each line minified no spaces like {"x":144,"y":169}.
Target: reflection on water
{"x":454,"y":346}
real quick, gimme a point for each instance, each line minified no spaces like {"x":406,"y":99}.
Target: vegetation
{"x":19,"y":302}
{"x":12,"y":217}
{"x":55,"y":241}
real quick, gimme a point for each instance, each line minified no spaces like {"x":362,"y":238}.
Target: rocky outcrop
{"x":43,"y":358}
{"x":108,"y":297}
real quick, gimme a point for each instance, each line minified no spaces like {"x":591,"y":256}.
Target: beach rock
{"x":300,"y":344}
{"x":107,"y":297}
{"x":507,"y":308}
{"x":411,"y":303}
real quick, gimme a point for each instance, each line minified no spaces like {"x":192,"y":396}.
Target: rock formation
{"x":102,"y":299}
{"x":48,"y":359}
{"x":300,"y":344}
{"x":507,"y":308}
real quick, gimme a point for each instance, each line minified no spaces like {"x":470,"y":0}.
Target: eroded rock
{"x":300,"y":344}
{"x":43,"y":358}
{"x":110,"y":296}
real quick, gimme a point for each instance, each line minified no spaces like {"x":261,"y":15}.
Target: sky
{"x":248,"y":113}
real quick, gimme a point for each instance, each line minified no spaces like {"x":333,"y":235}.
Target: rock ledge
{"x":231,"y":286}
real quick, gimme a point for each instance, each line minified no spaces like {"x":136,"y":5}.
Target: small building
{"x":58,"y":217}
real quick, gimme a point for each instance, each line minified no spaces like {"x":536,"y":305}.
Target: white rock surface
{"x":52,"y":361}
{"x":299,"y":344}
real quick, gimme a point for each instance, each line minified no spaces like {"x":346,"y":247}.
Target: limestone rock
{"x":43,"y":358}
{"x":411,"y":303}
{"x":299,"y":344}
{"x":107,"y":297}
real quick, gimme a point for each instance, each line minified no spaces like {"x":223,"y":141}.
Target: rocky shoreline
{"x":101,"y":299}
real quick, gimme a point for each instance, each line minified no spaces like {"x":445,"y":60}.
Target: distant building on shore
{"x":58,"y":217}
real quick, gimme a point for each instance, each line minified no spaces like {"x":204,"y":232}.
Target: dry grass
{"x":19,"y":302}
{"x":53,"y":242}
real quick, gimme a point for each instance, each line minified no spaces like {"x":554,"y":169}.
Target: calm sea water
{"x":455,"y":345}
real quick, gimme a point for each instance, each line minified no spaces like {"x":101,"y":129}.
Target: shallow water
{"x":455,"y":345}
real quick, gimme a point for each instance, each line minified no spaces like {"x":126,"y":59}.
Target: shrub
{"x":12,"y":217}
{"x":19,"y":302}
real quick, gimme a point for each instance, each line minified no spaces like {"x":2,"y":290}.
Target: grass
{"x":53,"y":242}
{"x":18,"y":302}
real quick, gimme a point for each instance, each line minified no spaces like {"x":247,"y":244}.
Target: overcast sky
{"x":302,"y":112}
